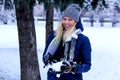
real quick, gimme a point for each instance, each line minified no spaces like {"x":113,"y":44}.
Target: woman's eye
{"x":70,"y":19}
{"x":64,"y":19}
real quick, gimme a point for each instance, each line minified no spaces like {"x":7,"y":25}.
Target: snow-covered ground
{"x":105,"y":43}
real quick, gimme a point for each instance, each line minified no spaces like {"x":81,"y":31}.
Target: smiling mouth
{"x":67,"y":26}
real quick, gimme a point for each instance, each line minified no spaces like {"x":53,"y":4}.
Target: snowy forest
{"x":26,"y":24}
{"x":103,"y":11}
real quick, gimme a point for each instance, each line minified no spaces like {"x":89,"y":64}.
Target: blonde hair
{"x":59,"y":31}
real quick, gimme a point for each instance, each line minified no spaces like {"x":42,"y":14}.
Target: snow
{"x":105,"y":43}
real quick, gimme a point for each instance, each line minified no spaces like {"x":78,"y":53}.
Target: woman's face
{"x":68,"y":23}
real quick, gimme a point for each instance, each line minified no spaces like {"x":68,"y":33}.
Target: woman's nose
{"x":66,"y":21}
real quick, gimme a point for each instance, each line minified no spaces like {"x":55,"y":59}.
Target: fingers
{"x":69,"y":67}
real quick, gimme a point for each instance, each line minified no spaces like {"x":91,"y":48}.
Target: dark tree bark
{"x":49,"y":19}
{"x":27,"y":41}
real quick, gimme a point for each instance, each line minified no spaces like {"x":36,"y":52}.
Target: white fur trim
{"x":74,"y":35}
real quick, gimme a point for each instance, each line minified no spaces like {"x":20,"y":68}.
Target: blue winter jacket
{"x":82,"y":54}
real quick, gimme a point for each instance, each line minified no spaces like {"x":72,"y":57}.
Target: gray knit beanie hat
{"x":72,"y":11}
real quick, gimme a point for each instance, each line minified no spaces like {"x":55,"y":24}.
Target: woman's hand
{"x":69,"y":67}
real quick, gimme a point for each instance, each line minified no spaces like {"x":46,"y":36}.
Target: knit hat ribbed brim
{"x":72,"y":11}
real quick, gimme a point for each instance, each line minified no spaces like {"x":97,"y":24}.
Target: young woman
{"x":69,"y":45}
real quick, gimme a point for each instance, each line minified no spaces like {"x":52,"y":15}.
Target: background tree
{"x":49,"y":9}
{"x":27,"y":40}
{"x":8,"y":5}
{"x":5,"y":7}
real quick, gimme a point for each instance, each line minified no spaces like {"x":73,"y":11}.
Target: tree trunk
{"x":49,"y":19}
{"x":27,"y":42}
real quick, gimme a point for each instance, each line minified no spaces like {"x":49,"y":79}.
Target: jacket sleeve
{"x":52,"y":35}
{"x":85,"y":63}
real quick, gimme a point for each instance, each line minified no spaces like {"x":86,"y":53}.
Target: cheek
{"x":73,"y":23}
